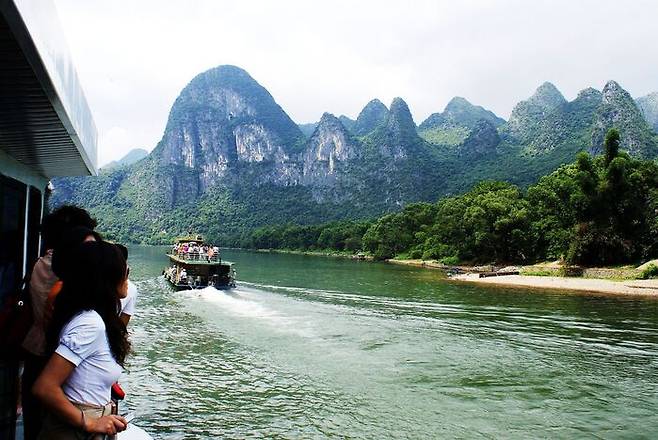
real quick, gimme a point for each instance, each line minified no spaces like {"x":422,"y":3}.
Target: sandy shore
{"x":631,"y":287}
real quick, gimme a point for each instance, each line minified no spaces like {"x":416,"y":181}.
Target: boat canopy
{"x":46,"y":126}
{"x":190,"y":238}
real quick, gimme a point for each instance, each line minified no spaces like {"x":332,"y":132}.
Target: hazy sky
{"x":134,"y":57}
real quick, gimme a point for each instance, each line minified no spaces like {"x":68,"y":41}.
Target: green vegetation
{"x":231,"y":161}
{"x":649,"y":272}
{"x":539,"y":273}
{"x":343,"y":236}
{"x":596,"y":211}
{"x":449,"y":136}
{"x":586,"y":212}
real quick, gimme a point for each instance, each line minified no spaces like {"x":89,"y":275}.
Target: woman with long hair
{"x":89,"y":343}
{"x":45,"y":284}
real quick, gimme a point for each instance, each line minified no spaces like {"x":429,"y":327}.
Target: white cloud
{"x":134,"y":57}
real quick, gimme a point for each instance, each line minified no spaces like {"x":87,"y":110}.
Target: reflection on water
{"x":317,"y":347}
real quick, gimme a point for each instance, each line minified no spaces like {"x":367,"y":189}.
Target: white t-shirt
{"x":83,"y":342}
{"x":128,"y":303}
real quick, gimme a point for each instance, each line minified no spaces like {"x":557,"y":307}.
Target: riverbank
{"x":335,"y":254}
{"x":613,"y":281}
{"x":470,"y":274}
{"x":433,"y":264}
{"x":627,"y":287}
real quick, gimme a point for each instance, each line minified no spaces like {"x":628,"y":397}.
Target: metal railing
{"x":197,"y":256}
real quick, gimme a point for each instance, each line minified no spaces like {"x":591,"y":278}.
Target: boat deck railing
{"x":197,"y":256}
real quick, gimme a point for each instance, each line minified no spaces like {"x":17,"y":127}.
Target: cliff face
{"x":231,"y":159}
{"x":547,"y":123}
{"x":222,"y":119}
{"x":460,"y":113}
{"x":328,"y":151}
{"x":398,"y":133}
{"x":648,"y":105}
{"x":482,"y":141}
{"x":563,"y":126}
{"x":528,"y":115}
{"x":373,"y":115}
{"x":620,"y":111}
{"x":454,"y":126}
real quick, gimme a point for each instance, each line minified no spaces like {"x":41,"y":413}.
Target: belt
{"x":96,"y":411}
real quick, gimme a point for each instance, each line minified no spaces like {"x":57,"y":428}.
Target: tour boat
{"x":195,"y":264}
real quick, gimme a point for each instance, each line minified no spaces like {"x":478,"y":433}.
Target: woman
{"x":128,"y":304}
{"x":59,"y":237}
{"x":90,"y":344}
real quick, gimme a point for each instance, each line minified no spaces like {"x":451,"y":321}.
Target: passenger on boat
{"x":89,"y":343}
{"x":64,"y":227}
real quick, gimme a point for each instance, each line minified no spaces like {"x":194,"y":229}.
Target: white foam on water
{"x":237,"y":304}
{"x":289,"y":288}
{"x":248,"y":304}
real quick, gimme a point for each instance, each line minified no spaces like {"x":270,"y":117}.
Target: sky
{"x":134,"y":57}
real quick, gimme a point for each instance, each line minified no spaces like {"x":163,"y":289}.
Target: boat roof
{"x":46,"y":126}
{"x":197,"y":238}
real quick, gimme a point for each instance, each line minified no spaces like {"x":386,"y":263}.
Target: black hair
{"x":61,"y":219}
{"x":91,"y":283}
{"x":123,"y":249}
{"x":68,"y":241}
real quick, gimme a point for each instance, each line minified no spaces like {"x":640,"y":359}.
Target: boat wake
{"x":298,"y":310}
{"x":244,"y":307}
{"x":236,"y":302}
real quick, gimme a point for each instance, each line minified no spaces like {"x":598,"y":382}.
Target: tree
{"x":611,"y":145}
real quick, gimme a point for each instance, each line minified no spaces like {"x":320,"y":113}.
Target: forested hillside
{"x":231,"y":160}
{"x":599,"y":210}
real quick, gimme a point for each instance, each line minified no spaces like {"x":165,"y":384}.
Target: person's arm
{"x":125,"y":318}
{"x":48,"y":388}
{"x":129,"y":303}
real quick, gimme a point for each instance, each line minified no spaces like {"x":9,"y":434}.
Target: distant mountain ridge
{"x":134,"y":155}
{"x":231,"y":159}
{"x":619,"y":110}
{"x":452,"y":127}
{"x":648,"y":105}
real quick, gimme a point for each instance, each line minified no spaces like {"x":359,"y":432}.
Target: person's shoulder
{"x":132,"y":288}
{"x":88,"y":320}
{"x":42,"y":271}
{"x":81,"y":337}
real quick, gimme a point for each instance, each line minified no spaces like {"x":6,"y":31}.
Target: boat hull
{"x":183,"y":286}
{"x":186,"y":274}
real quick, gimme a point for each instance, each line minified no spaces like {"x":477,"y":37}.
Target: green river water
{"x":314,"y":347}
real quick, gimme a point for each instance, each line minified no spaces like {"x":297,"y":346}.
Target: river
{"x":314,"y":347}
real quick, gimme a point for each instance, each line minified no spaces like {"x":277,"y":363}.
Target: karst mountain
{"x":231,"y":159}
